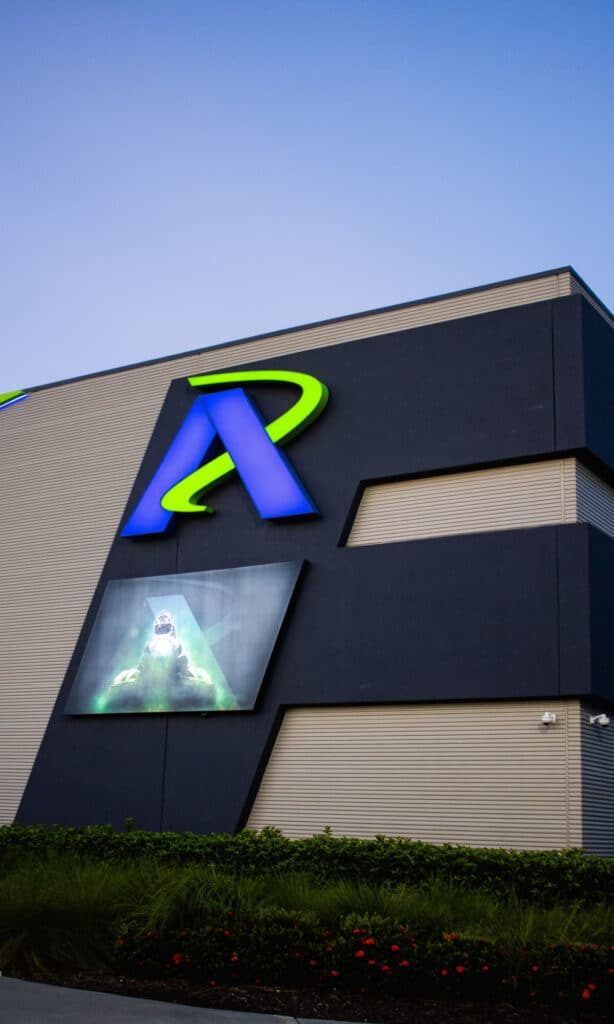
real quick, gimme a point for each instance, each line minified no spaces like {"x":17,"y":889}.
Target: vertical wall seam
{"x":553,"y":373}
{"x":567,"y":797}
{"x":163,"y":786}
{"x":557,"y":607}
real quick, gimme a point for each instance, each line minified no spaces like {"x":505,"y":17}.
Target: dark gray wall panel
{"x":601,"y":556}
{"x":574,"y":614}
{"x":598,"y":340}
{"x":456,"y":618}
{"x":570,"y":430}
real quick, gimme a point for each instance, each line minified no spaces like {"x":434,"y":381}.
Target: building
{"x":426,"y":649}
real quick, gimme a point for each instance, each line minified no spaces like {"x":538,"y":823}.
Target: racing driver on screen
{"x":163,"y":679}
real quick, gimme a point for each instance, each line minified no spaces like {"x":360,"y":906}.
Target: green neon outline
{"x":312,"y":401}
{"x":8,"y":396}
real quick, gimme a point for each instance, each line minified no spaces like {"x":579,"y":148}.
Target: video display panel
{"x":198,"y":641}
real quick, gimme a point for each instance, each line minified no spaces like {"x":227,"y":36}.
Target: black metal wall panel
{"x":601,"y":567}
{"x":598,"y":347}
{"x":470,"y":617}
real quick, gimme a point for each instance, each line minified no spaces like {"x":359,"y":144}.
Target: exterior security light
{"x":548,"y":718}
{"x":601,"y":720}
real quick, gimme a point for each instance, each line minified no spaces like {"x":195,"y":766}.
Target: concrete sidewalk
{"x":26,"y":1002}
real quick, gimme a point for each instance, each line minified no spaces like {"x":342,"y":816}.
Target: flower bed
{"x":278,"y":948}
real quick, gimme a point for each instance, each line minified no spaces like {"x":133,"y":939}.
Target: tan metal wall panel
{"x":481,"y":774}
{"x":505,"y":498}
{"x":68,"y":459}
{"x":597,"y":783}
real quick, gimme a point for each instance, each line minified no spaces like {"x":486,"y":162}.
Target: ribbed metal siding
{"x":597,"y":783}
{"x":68,"y":458}
{"x":505,"y":498}
{"x":576,"y":288}
{"x":595,"y":500}
{"x":478,"y":774}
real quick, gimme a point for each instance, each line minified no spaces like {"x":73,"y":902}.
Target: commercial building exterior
{"x":440,"y":663}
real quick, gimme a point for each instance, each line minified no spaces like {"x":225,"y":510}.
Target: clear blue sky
{"x":186,"y":172}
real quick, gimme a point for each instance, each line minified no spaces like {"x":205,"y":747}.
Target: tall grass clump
{"x":192,"y":896}
{"x":62,"y":911}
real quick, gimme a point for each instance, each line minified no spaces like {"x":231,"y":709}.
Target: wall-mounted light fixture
{"x":601,"y":720}
{"x":549,"y":718}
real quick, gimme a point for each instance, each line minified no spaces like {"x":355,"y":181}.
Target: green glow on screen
{"x":196,"y":641}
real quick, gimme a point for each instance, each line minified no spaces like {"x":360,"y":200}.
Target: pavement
{"x":27,"y":1002}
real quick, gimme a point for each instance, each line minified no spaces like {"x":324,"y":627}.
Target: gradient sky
{"x":180,"y":173}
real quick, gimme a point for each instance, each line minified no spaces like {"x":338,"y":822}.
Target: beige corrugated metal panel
{"x":577,"y":288}
{"x":504,"y":498}
{"x":480,"y":774}
{"x":67,"y":468}
{"x":595,"y":500}
{"x":597,"y":783}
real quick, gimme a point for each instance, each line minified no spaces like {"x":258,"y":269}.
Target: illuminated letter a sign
{"x":251,"y":450}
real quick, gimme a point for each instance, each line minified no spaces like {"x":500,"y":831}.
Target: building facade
{"x":420,"y":647}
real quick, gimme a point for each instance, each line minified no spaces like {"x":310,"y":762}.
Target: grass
{"x":63,"y":910}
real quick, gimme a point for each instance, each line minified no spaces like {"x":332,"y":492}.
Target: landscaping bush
{"x":567,"y":875}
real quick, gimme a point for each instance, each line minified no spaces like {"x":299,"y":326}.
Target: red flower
{"x":212,"y":983}
{"x":371,"y":962}
{"x":335,"y":974}
{"x":234,"y":957}
{"x":485,"y":967}
{"x":459,"y":969}
{"x":368,"y":942}
{"x":177,"y":958}
{"x":395,"y":948}
{"x":535,"y":968}
{"x":313,"y":963}
{"x":359,"y":953}
{"x":226,"y":932}
{"x":586,"y":994}
{"x":386,"y":969}
{"x":355,"y":931}
{"x":591,"y":986}
{"x":404,"y":963}
{"x":443,"y":973}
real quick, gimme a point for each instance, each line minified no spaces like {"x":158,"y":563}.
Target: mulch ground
{"x":330,"y":1005}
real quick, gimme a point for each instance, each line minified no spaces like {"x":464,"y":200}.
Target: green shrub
{"x":567,"y":875}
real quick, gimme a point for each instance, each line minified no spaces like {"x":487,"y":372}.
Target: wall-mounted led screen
{"x":198,"y":641}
